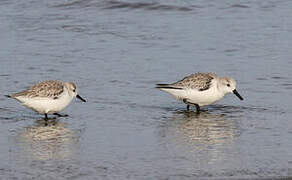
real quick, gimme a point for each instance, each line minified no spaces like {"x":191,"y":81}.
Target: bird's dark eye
{"x":228,"y":85}
{"x":74,"y":90}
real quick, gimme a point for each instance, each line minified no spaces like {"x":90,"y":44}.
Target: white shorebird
{"x":48,"y":97}
{"x":201,"y":89}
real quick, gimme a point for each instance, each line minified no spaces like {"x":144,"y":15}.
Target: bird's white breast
{"x":46,"y":105}
{"x":201,"y":98}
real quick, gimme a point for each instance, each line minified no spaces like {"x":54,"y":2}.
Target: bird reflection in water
{"x":47,"y":140}
{"x":207,"y":137}
{"x":205,"y":128}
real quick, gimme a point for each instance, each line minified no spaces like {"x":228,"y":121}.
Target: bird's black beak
{"x":79,"y":97}
{"x":237,"y":94}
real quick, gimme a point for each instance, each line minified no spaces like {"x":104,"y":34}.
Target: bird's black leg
{"x":194,"y":104}
{"x":197,"y":107}
{"x":46,"y":117}
{"x":60,"y":115}
{"x":188,"y":106}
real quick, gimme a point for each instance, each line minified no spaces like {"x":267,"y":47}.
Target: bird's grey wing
{"x":51,"y":89}
{"x":199,"y":81}
{"x":22,"y":93}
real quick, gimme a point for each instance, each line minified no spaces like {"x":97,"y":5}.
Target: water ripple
{"x":239,"y":6}
{"x":145,"y":6}
{"x":122,"y":5}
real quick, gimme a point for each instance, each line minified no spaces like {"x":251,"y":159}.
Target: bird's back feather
{"x":199,"y":81}
{"x":52,"y":89}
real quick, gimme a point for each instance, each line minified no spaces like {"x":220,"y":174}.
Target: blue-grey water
{"x":116,"y":51}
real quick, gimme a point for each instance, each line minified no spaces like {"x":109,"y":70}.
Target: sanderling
{"x":48,"y":97}
{"x":201,"y":89}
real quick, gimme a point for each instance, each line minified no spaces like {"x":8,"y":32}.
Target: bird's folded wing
{"x":51,"y":89}
{"x":198,"y":81}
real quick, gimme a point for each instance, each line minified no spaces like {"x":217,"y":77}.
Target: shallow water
{"x":116,"y":51}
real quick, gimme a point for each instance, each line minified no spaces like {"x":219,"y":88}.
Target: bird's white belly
{"x":44,"y":105}
{"x":201,"y":98}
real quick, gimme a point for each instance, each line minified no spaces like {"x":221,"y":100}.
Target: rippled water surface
{"x":115,"y":51}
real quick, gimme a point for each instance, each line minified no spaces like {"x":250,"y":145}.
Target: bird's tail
{"x":162,"y":85}
{"x":166,"y":86}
